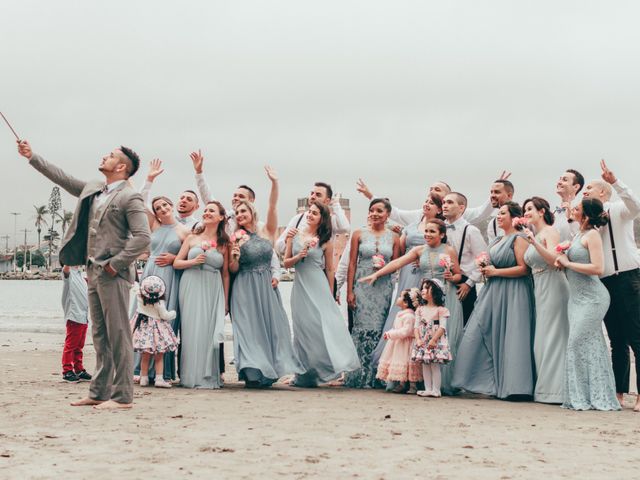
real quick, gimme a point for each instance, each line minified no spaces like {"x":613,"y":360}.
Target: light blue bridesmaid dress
{"x":202,"y":306}
{"x":495,"y":356}
{"x":589,"y":380}
{"x":372,"y":307}
{"x":321,"y":339}
{"x":409,"y":277}
{"x":262,"y":339}
{"x":551,"y":291}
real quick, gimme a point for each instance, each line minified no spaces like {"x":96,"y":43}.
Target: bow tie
{"x":559,"y":210}
{"x":452,"y":227}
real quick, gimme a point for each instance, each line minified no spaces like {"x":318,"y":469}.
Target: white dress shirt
{"x":232,"y":226}
{"x":339,"y":224}
{"x":474,"y":245}
{"x":472,"y":215}
{"x":493,"y":230}
{"x":102,"y":197}
{"x":567,"y":229}
{"x":621,"y":215}
{"x":343,"y":267}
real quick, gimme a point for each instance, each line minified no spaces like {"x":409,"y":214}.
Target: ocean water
{"x":35,"y":305}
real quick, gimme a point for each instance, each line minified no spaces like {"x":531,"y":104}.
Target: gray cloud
{"x":400,"y":93}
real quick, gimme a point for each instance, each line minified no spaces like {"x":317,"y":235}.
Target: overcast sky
{"x":398,"y":92}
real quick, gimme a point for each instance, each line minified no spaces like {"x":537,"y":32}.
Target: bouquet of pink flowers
{"x":445,"y":262}
{"x":483,"y":260}
{"x":240,"y":236}
{"x":519,"y":223}
{"x":313,"y":243}
{"x":378,"y":261}
{"x":563,"y":247}
{"x":206,"y":245}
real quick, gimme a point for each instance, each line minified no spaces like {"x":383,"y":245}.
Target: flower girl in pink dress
{"x":431,"y":347}
{"x":395,"y":366}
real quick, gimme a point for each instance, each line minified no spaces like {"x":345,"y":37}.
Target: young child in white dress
{"x":395,"y":366}
{"x":431,"y":347}
{"x":152,"y":334}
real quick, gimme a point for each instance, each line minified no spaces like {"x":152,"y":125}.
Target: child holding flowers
{"x":431,"y":347}
{"x":395,"y":366}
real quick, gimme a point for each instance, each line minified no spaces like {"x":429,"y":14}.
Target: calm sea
{"x":35,"y":306}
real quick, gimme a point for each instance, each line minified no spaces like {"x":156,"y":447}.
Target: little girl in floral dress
{"x":431,"y":347}
{"x":152,"y":334}
{"x":395,"y":365}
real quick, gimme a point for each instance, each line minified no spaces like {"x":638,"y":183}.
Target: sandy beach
{"x":291,"y":433}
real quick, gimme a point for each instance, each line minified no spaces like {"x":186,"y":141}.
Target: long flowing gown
{"x":430,"y":268}
{"x":589,"y":380}
{"x":551,"y":291}
{"x":262,"y":339}
{"x":202,"y":306}
{"x":372,"y":307}
{"x":164,"y":239}
{"x":495,"y":355}
{"x":321,"y":339}
{"x":409,"y":277}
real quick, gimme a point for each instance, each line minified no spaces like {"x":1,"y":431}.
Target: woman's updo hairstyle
{"x":442,"y":227}
{"x":593,"y":212}
{"x":384,"y":201}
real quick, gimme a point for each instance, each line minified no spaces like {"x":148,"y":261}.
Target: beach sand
{"x":291,"y":433}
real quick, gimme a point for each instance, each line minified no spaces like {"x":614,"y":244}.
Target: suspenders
{"x":613,"y":245}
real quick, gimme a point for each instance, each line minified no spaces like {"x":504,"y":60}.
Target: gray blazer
{"x":118,"y":232}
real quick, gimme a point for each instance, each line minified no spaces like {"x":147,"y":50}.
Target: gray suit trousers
{"x":108,"y":302}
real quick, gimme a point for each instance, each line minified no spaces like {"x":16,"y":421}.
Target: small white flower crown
{"x":414,"y":295}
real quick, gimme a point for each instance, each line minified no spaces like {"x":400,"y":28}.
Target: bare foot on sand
{"x":86,"y":402}
{"x":620,"y":397}
{"x":637,"y":407}
{"x":111,"y":405}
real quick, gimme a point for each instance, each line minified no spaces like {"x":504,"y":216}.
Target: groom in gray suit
{"x":108,"y":232}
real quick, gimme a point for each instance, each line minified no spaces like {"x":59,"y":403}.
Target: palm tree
{"x":41,"y":211}
{"x":64,"y":219}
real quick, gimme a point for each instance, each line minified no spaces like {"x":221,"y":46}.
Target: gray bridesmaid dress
{"x":164,"y":239}
{"x":262,"y":339}
{"x":430,"y":268}
{"x":372,"y":307}
{"x":202,"y":307}
{"x":321,"y":339}
{"x":495,"y":356}
{"x":409,"y":277}
{"x":551,"y":291}
{"x":589,"y":380}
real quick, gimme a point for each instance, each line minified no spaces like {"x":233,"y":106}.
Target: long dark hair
{"x":221,"y":231}
{"x":325,"y":229}
{"x":436,"y":292}
{"x":540,"y":203}
{"x":437,"y":201}
{"x":383,"y":201}
{"x":223,"y":238}
{"x":593,"y":211}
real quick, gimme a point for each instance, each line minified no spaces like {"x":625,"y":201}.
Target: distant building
{"x":6,"y":262}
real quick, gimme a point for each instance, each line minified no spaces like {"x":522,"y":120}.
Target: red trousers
{"x":73,"y":345}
